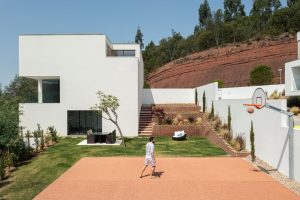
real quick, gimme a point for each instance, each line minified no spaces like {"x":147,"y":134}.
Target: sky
{"x":118,"y":19}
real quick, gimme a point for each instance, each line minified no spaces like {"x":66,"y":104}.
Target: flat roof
{"x":73,"y":34}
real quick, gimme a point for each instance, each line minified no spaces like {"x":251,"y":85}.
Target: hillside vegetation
{"x":216,"y":29}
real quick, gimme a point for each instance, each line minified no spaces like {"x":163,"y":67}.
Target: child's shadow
{"x":157,"y":174}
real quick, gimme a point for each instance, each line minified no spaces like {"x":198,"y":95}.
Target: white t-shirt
{"x":149,"y":150}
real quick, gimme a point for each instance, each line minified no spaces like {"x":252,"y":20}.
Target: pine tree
{"x":229,"y":119}
{"x":204,"y":102}
{"x":139,"y":38}
{"x":252,"y":143}
{"x":196,"y":97}
{"x":212,"y":111}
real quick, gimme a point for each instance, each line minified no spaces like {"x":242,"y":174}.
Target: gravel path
{"x":271,"y":171}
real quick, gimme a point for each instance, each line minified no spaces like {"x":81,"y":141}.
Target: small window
{"x":51,"y":91}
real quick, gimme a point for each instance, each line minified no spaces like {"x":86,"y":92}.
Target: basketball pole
{"x":291,"y":137}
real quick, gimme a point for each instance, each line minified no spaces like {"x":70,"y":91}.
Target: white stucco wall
{"x":83,"y":68}
{"x":168,"y":96}
{"x":210,"y":94}
{"x":247,"y":92}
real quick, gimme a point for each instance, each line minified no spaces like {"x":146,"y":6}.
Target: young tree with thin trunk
{"x":108,"y":105}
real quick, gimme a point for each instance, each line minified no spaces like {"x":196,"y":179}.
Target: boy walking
{"x":149,"y":159}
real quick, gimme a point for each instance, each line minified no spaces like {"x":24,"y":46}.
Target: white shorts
{"x":150,"y":161}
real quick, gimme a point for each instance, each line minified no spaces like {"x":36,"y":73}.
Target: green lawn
{"x":32,"y":177}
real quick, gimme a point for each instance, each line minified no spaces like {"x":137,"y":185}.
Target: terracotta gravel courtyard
{"x":116,"y":178}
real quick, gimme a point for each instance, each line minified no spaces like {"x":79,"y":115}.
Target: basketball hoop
{"x":258,"y":100}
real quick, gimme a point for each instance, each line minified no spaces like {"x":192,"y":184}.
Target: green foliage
{"x":252,"y":143}
{"x":204,"y":14}
{"x":139,"y":38}
{"x":214,"y":29}
{"x":204,"y":102}
{"x":23,"y":89}
{"x":212,"y":111}
{"x":233,"y":9}
{"x":261,"y":75}
{"x":53,"y":133}
{"x":2,"y":167}
{"x":229,"y":119}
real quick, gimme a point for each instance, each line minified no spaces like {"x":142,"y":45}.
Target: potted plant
{"x":90,"y":137}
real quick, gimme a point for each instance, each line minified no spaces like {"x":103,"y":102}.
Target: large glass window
{"x":51,"y":91}
{"x":79,"y":122}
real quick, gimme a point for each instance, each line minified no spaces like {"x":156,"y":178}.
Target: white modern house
{"x":70,"y":69}
{"x":292,"y":74}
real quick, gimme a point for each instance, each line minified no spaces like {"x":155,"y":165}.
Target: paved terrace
{"x":117,"y":178}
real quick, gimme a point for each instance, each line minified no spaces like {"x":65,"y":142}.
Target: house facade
{"x":292,"y":74}
{"x":70,"y":69}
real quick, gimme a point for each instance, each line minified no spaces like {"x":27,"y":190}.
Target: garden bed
{"x":190,"y":130}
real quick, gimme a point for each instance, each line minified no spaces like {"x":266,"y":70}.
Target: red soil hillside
{"x":232,"y":64}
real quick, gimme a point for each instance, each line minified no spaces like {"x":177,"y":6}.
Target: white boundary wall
{"x":210,"y":94}
{"x":270,"y":127}
{"x":247,"y":92}
{"x":166,"y":96}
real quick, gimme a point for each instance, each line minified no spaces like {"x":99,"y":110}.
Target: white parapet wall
{"x":168,"y":96}
{"x":247,"y":92}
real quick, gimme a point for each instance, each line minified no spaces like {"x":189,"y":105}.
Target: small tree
{"x":42,"y":140}
{"x":212,"y":111}
{"x":229,"y":119}
{"x":108,"y":105}
{"x":261,"y":75}
{"x":139,"y":37}
{"x":252,"y":143}
{"x":159,"y":114}
{"x":196,"y":97}
{"x":27,"y":135}
{"x":53,"y":133}
{"x":204,"y":102}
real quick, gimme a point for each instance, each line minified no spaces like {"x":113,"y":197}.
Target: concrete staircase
{"x":145,"y":124}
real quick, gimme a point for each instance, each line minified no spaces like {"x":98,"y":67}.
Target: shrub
{"x":198,"y":121}
{"x":168,"y":120}
{"x":261,"y":75}
{"x":28,"y":135}
{"x":175,"y":122}
{"x":224,"y":126}
{"x":42,"y":140}
{"x":2,"y":168}
{"x":252,"y":143}
{"x":191,"y":119}
{"x":159,"y":114}
{"x":218,"y":124}
{"x":53,"y":133}
{"x":227,"y":136}
{"x":295,"y":110}
{"x":179,"y":118}
{"x":18,"y":149}
{"x":36,"y":139}
{"x":275,"y":95}
{"x":10,"y":160}
{"x":240,"y":142}
{"x":185,"y":122}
